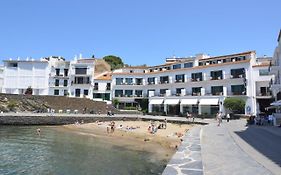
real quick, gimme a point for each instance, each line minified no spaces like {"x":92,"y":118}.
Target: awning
{"x":171,"y":101}
{"x":212,"y":101}
{"x":156,"y":101}
{"x":276,"y":103}
{"x":189,"y":101}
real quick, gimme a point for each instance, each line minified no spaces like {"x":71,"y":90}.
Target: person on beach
{"x":38,"y":130}
{"x":165,"y":123}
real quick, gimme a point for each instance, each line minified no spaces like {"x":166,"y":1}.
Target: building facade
{"x":18,"y":75}
{"x":198,"y":85}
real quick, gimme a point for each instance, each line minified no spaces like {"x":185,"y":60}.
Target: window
{"x":86,"y":92}
{"x":263,"y":72}
{"x":57,"y":82}
{"x":164,"y":80}
{"x":217,"y":90}
{"x":56,"y":92}
{"x":108,"y":86}
{"x":129,"y":81}
{"x":128,"y":93}
{"x":216,"y":75}
{"x":151,"y":80}
{"x":177,"y":66}
{"x":57,"y":72}
{"x":180,"y":78}
{"x":119,"y":81}
{"x":13,"y":65}
{"x":187,"y":65}
{"x":81,"y":71}
{"x":65,"y":82}
{"x":163,"y":91}
{"x":197,"y":76}
{"x":131,"y":71}
{"x":238,"y":90}
{"x":118,"y":93}
{"x":196,"y":91}
{"x":138,"y":81}
{"x":238,"y":73}
{"x":138,"y":93}
{"x":96,"y":86}
{"x":65,"y":72}
{"x":178,"y":91}
{"x":65,"y":92}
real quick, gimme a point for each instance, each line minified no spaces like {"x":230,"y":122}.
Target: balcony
{"x":196,"y":93}
{"x":264,"y":94}
{"x":216,"y":78}
{"x":238,"y":93}
{"x":232,"y":76}
{"x":217,"y":93}
{"x":163,"y":82}
{"x":179,"y":81}
{"x":196,"y":79}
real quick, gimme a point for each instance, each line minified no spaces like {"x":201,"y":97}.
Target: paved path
{"x":187,"y":160}
{"x":224,"y":152}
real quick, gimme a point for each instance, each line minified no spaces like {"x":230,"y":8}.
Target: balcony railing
{"x":180,"y":81}
{"x":264,"y":94}
{"x":238,"y":76}
{"x":196,"y":93}
{"x":163,"y":82}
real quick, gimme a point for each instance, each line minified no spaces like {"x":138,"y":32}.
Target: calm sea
{"x":58,"y":152}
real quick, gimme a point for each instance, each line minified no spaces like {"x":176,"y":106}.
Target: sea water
{"x":59,"y":152}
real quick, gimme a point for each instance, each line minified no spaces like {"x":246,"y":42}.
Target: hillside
{"x":20,"y":103}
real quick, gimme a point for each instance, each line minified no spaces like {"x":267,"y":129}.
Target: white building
{"x":198,"y":85}
{"x":102,"y":87}
{"x":59,"y":76}
{"x":21,"y":74}
{"x":275,"y":69}
{"x":81,"y":78}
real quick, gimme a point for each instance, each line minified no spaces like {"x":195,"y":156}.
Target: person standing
{"x":228,"y":117}
{"x":219,"y":118}
{"x":187,"y":116}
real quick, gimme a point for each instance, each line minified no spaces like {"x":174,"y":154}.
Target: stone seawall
{"x":54,"y":120}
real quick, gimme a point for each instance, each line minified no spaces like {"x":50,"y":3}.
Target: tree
{"x":236,"y":105}
{"x":114,"y":61}
{"x":28,"y":91}
{"x":116,"y":102}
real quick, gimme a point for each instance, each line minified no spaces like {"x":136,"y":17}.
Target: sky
{"x":138,"y":31}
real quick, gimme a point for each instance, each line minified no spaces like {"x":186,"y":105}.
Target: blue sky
{"x":139,"y":31}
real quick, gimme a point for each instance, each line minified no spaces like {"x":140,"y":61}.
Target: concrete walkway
{"x":187,"y":160}
{"x":224,"y":153}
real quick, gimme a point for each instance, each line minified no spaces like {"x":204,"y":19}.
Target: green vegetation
{"x":130,"y":108}
{"x":114,"y":61}
{"x":235,"y":105}
{"x":12,"y":104}
{"x":116,"y":102}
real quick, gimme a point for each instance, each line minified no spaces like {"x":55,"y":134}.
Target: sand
{"x":135,"y":135}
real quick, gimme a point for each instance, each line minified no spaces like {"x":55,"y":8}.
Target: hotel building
{"x":197,"y":84}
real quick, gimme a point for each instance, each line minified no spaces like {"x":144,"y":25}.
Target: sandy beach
{"x":136,"y":135}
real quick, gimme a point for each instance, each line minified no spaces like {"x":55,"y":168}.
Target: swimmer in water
{"x":38,"y":131}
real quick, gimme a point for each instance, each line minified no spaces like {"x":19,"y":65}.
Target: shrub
{"x":235,"y":105}
{"x":12,"y":105}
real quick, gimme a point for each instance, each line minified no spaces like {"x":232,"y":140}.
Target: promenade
{"x":232,"y":148}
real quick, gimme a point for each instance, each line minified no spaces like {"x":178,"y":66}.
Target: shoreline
{"x":163,"y":144}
